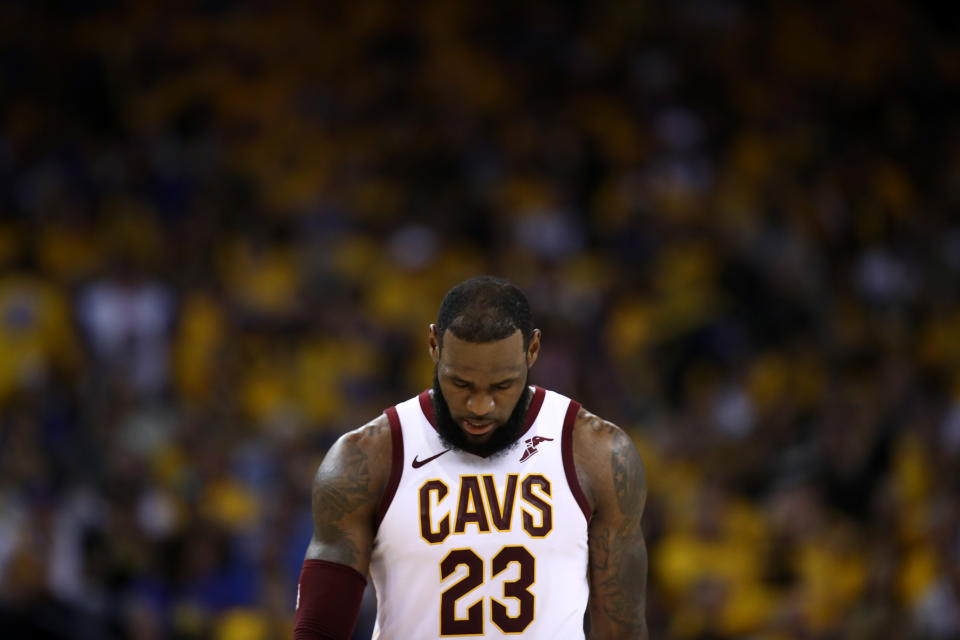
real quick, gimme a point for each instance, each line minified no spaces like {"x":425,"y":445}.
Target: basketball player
{"x":482,"y":507}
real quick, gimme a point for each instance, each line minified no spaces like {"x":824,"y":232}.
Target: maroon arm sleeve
{"x":328,"y":601}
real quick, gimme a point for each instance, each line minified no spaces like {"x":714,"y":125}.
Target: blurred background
{"x":225,"y":227}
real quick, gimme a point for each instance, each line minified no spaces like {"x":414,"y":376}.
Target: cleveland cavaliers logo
{"x":532,"y":444}
{"x":481,"y":503}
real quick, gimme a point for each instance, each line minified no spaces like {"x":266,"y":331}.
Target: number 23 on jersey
{"x":472,"y":624}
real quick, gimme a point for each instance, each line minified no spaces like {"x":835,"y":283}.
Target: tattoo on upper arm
{"x":618,"y":552}
{"x":340,"y":488}
{"x":628,"y":477}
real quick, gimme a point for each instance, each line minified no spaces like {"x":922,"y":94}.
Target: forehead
{"x":498,"y":357}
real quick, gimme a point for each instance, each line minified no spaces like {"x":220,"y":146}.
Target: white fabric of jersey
{"x":414,"y":600}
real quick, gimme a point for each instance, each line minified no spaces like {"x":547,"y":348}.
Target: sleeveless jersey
{"x":472,"y":546}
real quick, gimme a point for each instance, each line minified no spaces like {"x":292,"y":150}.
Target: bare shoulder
{"x":357,"y":462}
{"x":593,"y":428}
{"x":371,"y":442}
{"x":347,"y":488}
{"x":608,"y":463}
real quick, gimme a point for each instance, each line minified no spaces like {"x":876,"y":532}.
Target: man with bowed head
{"x":482,"y":507}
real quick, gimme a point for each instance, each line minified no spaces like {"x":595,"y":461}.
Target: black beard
{"x":503,"y":438}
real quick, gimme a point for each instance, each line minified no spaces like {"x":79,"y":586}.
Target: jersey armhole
{"x":396,"y":465}
{"x":569,"y":468}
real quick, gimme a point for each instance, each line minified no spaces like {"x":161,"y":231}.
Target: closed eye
{"x":500,"y":386}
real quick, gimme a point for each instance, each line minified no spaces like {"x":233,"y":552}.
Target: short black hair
{"x":484,"y":309}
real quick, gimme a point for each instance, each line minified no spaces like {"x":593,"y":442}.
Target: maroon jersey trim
{"x":396,"y":464}
{"x":427,"y":407}
{"x":532,"y":412}
{"x":566,"y":449}
{"x":538,"y":394}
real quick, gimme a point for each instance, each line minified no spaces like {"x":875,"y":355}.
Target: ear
{"x":433,"y":342}
{"x":533,"y":348}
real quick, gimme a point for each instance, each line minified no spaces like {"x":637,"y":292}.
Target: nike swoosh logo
{"x":419,"y":463}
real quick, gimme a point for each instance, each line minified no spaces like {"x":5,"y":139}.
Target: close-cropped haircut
{"x":484,"y":309}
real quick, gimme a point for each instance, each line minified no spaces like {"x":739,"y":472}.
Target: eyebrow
{"x":456,"y":378}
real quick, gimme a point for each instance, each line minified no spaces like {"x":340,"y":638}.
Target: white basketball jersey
{"x":472,"y":546}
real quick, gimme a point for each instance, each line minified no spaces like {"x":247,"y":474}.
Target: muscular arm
{"x":346,"y":491}
{"x":612,"y":475}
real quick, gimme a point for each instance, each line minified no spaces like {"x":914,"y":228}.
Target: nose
{"x":480,"y":403}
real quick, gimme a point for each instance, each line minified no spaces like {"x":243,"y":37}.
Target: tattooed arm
{"x":346,"y":492}
{"x":611,"y":473}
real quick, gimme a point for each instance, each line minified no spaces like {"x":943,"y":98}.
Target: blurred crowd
{"x":225,"y":227}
